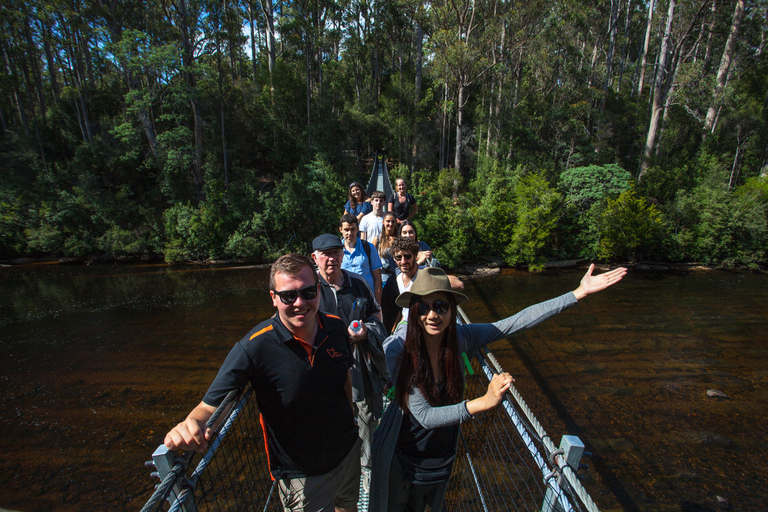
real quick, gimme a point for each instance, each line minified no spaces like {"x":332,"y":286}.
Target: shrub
{"x":583,"y":186}
{"x":629,"y":226}
{"x":716,"y":226}
{"x":535,"y":204}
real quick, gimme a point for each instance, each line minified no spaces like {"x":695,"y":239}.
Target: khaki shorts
{"x":323,"y":493}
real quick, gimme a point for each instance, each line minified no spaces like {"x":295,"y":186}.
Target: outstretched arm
{"x":593,"y":284}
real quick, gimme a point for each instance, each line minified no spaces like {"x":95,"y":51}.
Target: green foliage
{"x":584,"y":186}
{"x":716,"y":226}
{"x":629,"y":227}
{"x":100,"y":151}
{"x":304,"y":204}
{"x":535,"y":204}
{"x":443,"y":222}
{"x":494,"y":212}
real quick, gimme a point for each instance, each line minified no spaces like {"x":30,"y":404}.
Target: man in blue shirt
{"x":360,"y":257}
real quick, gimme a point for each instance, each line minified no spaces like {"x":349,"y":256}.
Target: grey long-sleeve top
{"x":470,"y":339}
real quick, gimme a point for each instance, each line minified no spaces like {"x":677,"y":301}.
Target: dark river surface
{"x":98,"y":363}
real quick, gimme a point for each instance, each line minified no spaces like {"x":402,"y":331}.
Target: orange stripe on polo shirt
{"x":267,"y":328}
{"x":266,"y":444}
{"x":307,"y":348}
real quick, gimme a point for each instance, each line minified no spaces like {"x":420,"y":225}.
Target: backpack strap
{"x":367,"y":248}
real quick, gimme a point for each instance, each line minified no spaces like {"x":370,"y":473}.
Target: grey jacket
{"x":470,"y":338}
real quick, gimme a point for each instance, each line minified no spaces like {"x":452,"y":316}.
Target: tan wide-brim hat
{"x":429,"y":280}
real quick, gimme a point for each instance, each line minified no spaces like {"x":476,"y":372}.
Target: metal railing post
{"x":164,"y":460}
{"x":572,"y":448}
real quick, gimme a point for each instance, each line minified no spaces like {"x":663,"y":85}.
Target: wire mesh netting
{"x":494,"y":469}
{"x":237,"y":477}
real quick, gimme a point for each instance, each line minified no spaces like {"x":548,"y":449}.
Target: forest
{"x":202,"y":130}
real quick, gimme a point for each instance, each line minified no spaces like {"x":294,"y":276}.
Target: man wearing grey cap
{"x":348,"y":296}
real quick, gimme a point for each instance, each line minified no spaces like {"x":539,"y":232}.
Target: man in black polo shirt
{"x":298,"y":363}
{"x":348,"y":296}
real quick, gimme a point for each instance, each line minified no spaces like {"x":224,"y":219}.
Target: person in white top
{"x":371,"y":225}
{"x":404,"y":251}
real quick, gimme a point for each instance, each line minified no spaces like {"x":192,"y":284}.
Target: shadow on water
{"x":608,"y":476}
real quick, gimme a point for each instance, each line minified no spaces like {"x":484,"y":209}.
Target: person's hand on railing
{"x":192,"y":433}
{"x":496,"y":388}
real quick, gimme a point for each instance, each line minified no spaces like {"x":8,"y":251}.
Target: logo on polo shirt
{"x":332,"y":352}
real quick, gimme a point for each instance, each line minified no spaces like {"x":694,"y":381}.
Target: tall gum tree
{"x":725,"y":64}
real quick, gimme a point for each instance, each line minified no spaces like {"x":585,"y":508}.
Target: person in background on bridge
{"x":358,"y":204}
{"x":404,"y":252}
{"x":424,"y":259}
{"x":415,"y":445}
{"x":372,"y":223}
{"x":349,"y":297}
{"x":382,"y":243}
{"x":360,"y":256}
{"x":298,"y":363}
{"x":401,"y":202}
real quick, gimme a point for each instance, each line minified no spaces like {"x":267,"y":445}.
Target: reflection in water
{"x":99,"y":363}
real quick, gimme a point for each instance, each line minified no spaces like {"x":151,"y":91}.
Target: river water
{"x":98,"y":363}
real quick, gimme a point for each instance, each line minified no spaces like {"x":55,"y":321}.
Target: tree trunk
{"x":708,"y":51}
{"x":51,"y":61}
{"x":624,"y":47}
{"x":612,"y":30}
{"x":646,"y":44}
{"x":417,"y":94}
{"x":444,"y":130}
{"x":191,"y":80}
{"x":253,"y":40}
{"x":658,"y":91}
{"x":459,"y":126}
{"x":309,"y":95}
{"x":725,"y":64}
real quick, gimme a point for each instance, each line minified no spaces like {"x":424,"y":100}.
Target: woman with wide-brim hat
{"x":415,"y":444}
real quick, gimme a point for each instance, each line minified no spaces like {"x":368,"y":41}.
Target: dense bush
{"x":714,"y":225}
{"x":630,"y":228}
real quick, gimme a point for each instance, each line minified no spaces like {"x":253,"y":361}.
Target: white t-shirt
{"x":372,"y":225}
{"x":402,"y":288}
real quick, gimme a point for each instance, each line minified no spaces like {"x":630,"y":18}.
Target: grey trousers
{"x":323,"y":493}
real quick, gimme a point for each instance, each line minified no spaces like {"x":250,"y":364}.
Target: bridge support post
{"x":573,"y":448}
{"x":163,"y":458}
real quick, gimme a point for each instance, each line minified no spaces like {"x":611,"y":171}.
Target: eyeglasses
{"x":398,"y":257}
{"x":439,"y":306}
{"x":288,"y":297}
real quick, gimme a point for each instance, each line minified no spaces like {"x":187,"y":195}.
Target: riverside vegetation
{"x":200,"y":130}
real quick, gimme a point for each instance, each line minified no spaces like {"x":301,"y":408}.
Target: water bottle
{"x":356,"y":326}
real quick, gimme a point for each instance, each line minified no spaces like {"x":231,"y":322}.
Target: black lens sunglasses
{"x":398,"y":257}
{"x":439,"y":306}
{"x":288,"y":297}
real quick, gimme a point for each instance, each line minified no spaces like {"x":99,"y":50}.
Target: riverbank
{"x":487,"y":267}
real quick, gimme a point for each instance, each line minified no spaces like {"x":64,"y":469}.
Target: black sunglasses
{"x":401,"y":256}
{"x":439,"y":306}
{"x":288,"y":297}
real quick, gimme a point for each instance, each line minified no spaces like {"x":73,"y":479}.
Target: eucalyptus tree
{"x":725,"y":64}
{"x":460,"y":33}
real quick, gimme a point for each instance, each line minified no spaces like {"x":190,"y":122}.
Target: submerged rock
{"x":716,"y":393}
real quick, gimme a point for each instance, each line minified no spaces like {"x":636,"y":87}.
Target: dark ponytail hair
{"x":413,"y":366}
